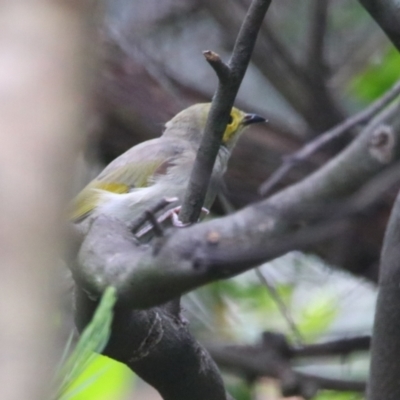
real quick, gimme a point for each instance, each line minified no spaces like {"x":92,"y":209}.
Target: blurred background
{"x":316,"y":62}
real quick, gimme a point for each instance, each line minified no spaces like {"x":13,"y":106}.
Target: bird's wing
{"x":136,"y":168}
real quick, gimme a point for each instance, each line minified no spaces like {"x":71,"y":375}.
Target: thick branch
{"x":384,"y":381}
{"x":220,"y":109}
{"x":191,"y":257}
{"x":159,"y":348}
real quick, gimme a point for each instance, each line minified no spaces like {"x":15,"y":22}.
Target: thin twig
{"x":282,"y":307}
{"x":256,"y":362}
{"x":221,"y":69}
{"x":338,"y":347}
{"x":220,"y":109}
{"x":325,"y":138}
{"x":279,"y":66}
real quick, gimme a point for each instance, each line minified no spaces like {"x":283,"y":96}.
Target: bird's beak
{"x":252,"y":119}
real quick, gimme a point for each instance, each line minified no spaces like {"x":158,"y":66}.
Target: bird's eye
{"x":230,"y":120}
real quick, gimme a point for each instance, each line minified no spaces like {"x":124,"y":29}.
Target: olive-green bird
{"x":158,"y":168}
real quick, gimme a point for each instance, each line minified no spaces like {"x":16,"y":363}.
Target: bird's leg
{"x":149,"y":215}
{"x":156,"y":226}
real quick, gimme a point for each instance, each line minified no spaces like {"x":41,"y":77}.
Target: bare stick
{"x":340,"y":347}
{"x":221,"y":69}
{"x":220,"y":108}
{"x":327,"y":137}
{"x":281,"y":305}
{"x":272,"y":359}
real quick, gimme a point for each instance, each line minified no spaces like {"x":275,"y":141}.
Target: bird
{"x":158,"y":168}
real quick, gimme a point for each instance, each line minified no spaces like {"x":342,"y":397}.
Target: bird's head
{"x":190,"y":124}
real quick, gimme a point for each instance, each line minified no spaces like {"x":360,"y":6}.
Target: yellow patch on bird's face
{"x":235,"y":125}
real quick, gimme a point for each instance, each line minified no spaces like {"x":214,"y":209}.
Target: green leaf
{"x":93,"y":340}
{"x":103,"y":379}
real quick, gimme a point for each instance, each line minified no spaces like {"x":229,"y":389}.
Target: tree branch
{"x":385,"y":368}
{"x":318,"y":25}
{"x":221,"y":69}
{"x":386,"y":13}
{"x":281,"y":306}
{"x":340,"y":347}
{"x":160,"y":349}
{"x":273,"y":60}
{"x":272,"y":358}
{"x":332,"y":134}
{"x":220,"y":109}
{"x":188,"y":258}
{"x":154,"y":343}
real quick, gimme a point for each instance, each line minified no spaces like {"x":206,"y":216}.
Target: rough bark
{"x":384,"y":383}
{"x":160,"y":349}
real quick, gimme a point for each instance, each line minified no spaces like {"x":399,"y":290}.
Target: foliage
{"x":239,"y":389}
{"x":78,"y":375}
{"x":377,"y":77}
{"x":315,"y":319}
{"x":102,"y":379}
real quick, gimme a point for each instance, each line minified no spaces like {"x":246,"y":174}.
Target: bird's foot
{"x":175,"y":216}
{"x":172,"y":214}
